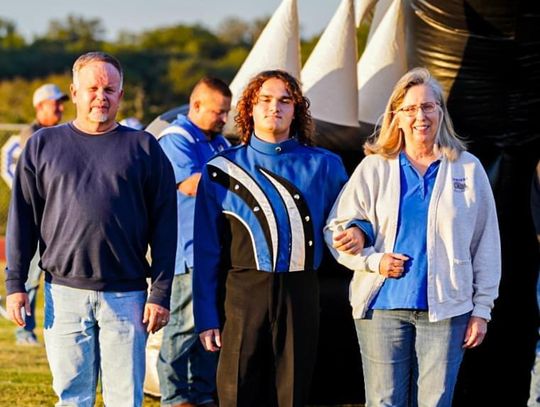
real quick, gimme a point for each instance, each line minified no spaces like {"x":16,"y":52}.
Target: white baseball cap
{"x":132,"y":122}
{"x":49,"y":91}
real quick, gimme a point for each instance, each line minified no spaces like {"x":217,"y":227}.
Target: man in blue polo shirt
{"x":186,"y":371}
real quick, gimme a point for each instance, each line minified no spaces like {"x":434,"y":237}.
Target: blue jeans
{"x":31,"y":286}
{"x":534,"y":397}
{"x":409,"y":361}
{"x":95,"y":333}
{"x":187,"y":373}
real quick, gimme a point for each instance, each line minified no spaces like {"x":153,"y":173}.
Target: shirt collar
{"x":404,"y":161}
{"x":195,"y":131}
{"x":272,"y":148}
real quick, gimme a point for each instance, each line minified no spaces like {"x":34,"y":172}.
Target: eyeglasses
{"x":412,"y":110}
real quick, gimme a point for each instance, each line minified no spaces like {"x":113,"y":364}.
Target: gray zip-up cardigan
{"x":463,"y":243}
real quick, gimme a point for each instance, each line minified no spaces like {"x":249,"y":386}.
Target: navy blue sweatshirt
{"x":94,"y":203}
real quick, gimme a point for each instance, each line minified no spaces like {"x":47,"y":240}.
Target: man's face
{"x":210,"y":111}
{"x":97,"y":93}
{"x":273,"y":111}
{"x":49,"y":112}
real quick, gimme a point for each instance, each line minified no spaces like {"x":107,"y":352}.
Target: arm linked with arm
{"x":349,"y":209}
{"x":359,"y":233}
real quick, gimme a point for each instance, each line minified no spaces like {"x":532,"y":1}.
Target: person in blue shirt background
{"x":260,"y":212}
{"x":187,"y":373}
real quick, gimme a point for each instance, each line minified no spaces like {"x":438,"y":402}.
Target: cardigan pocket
{"x":460,"y":279}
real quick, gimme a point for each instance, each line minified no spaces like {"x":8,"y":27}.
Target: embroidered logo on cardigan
{"x":459,"y":184}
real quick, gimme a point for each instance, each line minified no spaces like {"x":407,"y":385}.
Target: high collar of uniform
{"x":272,"y":148}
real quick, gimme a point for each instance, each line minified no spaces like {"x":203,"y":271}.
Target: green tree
{"x":195,"y":40}
{"x":76,"y":33}
{"x":235,"y":31}
{"x":9,"y":37}
{"x":257,"y":27}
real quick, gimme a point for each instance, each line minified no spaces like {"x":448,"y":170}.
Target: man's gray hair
{"x":96,"y":56}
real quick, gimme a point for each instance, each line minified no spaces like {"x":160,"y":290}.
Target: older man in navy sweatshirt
{"x":94,"y":194}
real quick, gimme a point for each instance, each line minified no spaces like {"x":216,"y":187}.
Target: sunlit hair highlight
{"x":212,"y":83}
{"x":302,"y":125}
{"x":390,"y":140}
{"x":95,"y":56}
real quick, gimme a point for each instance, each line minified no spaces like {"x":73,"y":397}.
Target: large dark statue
{"x":488,"y":54}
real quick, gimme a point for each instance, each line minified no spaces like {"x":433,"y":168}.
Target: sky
{"x":32,"y":16}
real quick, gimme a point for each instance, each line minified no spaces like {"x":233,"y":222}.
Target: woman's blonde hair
{"x":390,"y":139}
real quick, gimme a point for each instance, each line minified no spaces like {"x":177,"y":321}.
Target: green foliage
{"x":235,"y":31}
{"x":161,"y":65}
{"x":38,"y":60}
{"x":9,"y":37}
{"x":76,"y":33}
{"x":308,"y":46}
{"x":361,"y":37}
{"x":194,"y":40}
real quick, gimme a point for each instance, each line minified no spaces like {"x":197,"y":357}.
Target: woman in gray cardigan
{"x":422,"y":293}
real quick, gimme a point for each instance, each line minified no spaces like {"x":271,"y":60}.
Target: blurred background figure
{"x":132,"y":122}
{"x":187,"y":373}
{"x":48,"y":101}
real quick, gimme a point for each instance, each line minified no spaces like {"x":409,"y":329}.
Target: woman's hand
{"x":211,"y":340}
{"x":350,"y":241}
{"x":475,"y":333}
{"x":392,"y":265}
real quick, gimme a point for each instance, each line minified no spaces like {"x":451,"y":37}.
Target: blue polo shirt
{"x":188,"y":149}
{"x":410,"y":290}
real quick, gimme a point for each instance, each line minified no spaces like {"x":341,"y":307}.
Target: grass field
{"x":25,"y":379}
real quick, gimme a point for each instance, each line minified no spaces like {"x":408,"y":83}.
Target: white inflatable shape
{"x":329,"y":75}
{"x":383,"y":62}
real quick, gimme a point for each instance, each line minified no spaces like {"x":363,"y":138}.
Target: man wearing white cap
{"x":48,"y":100}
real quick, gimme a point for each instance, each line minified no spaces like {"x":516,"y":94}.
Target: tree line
{"x":161,"y":65}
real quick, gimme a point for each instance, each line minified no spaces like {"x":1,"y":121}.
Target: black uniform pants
{"x":269,"y":339}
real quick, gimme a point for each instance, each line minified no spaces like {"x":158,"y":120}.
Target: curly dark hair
{"x":302,"y":124}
